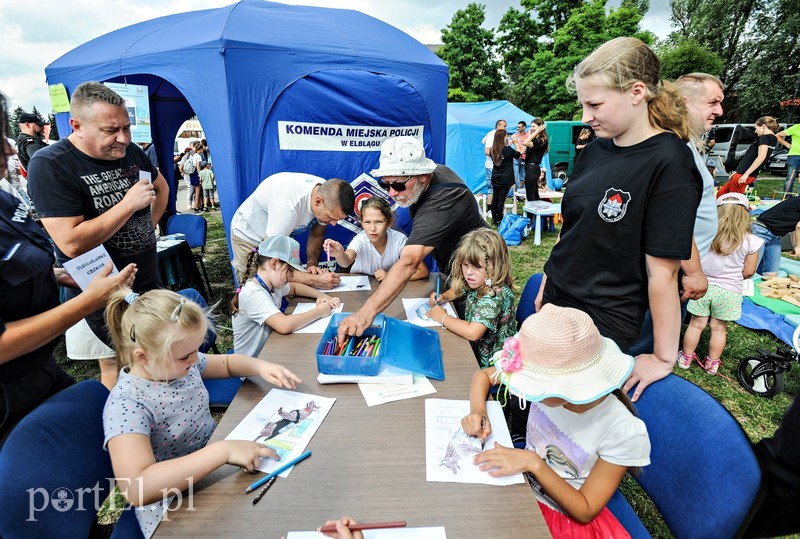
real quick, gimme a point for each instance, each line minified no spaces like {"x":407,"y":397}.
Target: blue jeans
{"x":769,"y":257}
{"x":792,"y":167}
{"x":519,"y":171}
{"x":489,"y":189}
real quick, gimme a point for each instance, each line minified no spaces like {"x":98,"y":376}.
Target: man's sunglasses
{"x":397,"y":186}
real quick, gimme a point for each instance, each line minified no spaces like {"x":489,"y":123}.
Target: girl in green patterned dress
{"x":481,"y":271}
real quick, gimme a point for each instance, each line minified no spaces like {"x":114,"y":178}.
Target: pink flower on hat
{"x":510,"y":357}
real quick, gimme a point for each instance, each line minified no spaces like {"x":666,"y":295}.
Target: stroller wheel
{"x":768,"y":384}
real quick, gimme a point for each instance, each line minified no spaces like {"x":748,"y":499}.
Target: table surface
{"x":368,"y":463}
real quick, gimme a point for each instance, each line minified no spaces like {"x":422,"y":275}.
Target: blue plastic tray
{"x":403,"y":345}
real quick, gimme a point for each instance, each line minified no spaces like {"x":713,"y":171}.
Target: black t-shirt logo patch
{"x":614,"y":205}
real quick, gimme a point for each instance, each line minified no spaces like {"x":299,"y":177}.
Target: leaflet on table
{"x":284,"y":421}
{"x":350,"y":283}
{"x":317,"y":326}
{"x":387,"y":375}
{"x":414,"y":307}
{"x":433,"y":532}
{"x":376,"y":394}
{"x":449,"y":451}
{"x":84,"y":268}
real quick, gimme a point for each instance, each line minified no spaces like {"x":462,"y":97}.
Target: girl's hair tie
{"x":131,"y":297}
{"x":238,"y":289}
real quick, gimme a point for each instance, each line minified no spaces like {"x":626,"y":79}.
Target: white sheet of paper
{"x":145,"y":175}
{"x":351,"y":283}
{"x":387,"y":374}
{"x":83,"y":268}
{"x":376,"y":394}
{"x":449,"y":450}
{"x":410,"y":305}
{"x":433,"y":532}
{"x":166,"y":244}
{"x":288,"y":436}
{"x":749,"y":288}
{"x":317,"y":326}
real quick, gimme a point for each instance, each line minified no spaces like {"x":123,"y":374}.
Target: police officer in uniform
{"x":30,"y":139}
{"x":31,"y":319}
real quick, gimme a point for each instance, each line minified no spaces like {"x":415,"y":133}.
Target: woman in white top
{"x":377,"y":247}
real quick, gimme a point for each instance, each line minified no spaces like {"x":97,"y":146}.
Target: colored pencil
{"x":328,"y":528}
{"x":264,"y":490}
{"x":279,"y":471}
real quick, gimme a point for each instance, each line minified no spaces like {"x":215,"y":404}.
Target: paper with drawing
{"x":285,"y":421}
{"x":317,"y":326}
{"x":449,"y":450}
{"x":357,"y":283}
{"x":412,"y":307}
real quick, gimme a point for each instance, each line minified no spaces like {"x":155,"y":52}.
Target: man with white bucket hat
{"x":442,"y":207}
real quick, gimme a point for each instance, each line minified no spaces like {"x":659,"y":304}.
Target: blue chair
{"x":525,"y":308}
{"x":704,"y":476}
{"x":53,"y":468}
{"x":220,"y":390}
{"x":195,"y":229}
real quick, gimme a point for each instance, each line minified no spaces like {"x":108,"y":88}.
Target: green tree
{"x":469,"y":52}
{"x":54,"y":128}
{"x":588,"y":26}
{"x":688,"y":56}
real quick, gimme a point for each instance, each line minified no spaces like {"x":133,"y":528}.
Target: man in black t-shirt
{"x":94,"y":187}
{"x":443,"y":210}
{"x":771,"y":226}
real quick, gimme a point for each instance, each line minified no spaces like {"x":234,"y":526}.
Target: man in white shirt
{"x":288,"y":203}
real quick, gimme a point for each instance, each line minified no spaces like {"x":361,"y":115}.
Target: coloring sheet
{"x":285,"y":421}
{"x":376,"y":394}
{"x":436,"y":532}
{"x":416,"y":306}
{"x":449,"y":450}
{"x":317,"y":326}
{"x":355,"y":283}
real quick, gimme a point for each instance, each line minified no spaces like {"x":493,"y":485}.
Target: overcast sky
{"x":37,"y":33}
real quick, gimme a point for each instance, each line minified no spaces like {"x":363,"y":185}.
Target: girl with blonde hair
{"x":733,"y":257}
{"x":156,"y":420}
{"x":630,"y":207}
{"x":481,"y":271}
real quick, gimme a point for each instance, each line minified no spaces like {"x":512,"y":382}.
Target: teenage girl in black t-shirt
{"x":630,"y":206}
{"x":538,"y":144}
{"x":754,"y":158}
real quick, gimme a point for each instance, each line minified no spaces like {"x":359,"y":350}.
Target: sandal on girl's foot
{"x":711,"y":366}
{"x":685,"y":360}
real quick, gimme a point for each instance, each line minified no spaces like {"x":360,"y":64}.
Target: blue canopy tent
{"x":467,"y":124}
{"x":276,"y":88}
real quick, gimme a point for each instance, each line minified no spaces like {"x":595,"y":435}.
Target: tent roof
{"x":253,"y":24}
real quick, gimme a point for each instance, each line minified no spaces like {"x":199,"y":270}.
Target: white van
{"x":190,"y":132}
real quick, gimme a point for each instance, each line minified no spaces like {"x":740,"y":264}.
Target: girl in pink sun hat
{"x":580,"y":441}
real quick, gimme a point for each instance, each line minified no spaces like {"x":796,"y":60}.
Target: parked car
{"x":776,"y":164}
{"x":562,"y":135}
{"x":732,"y":141}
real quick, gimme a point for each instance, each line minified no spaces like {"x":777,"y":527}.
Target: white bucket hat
{"x":560,"y":353}
{"x":403,"y":156}
{"x":734,"y":198}
{"x":283,"y":248}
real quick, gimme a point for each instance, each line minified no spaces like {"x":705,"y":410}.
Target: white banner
{"x":339,"y":138}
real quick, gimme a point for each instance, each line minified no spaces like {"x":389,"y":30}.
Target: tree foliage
{"x":688,"y":56}
{"x":13,"y":120}
{"x":757,"y":41}
{"x":469,"y":52}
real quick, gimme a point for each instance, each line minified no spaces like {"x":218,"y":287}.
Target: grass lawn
{"x":759,"y":417}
